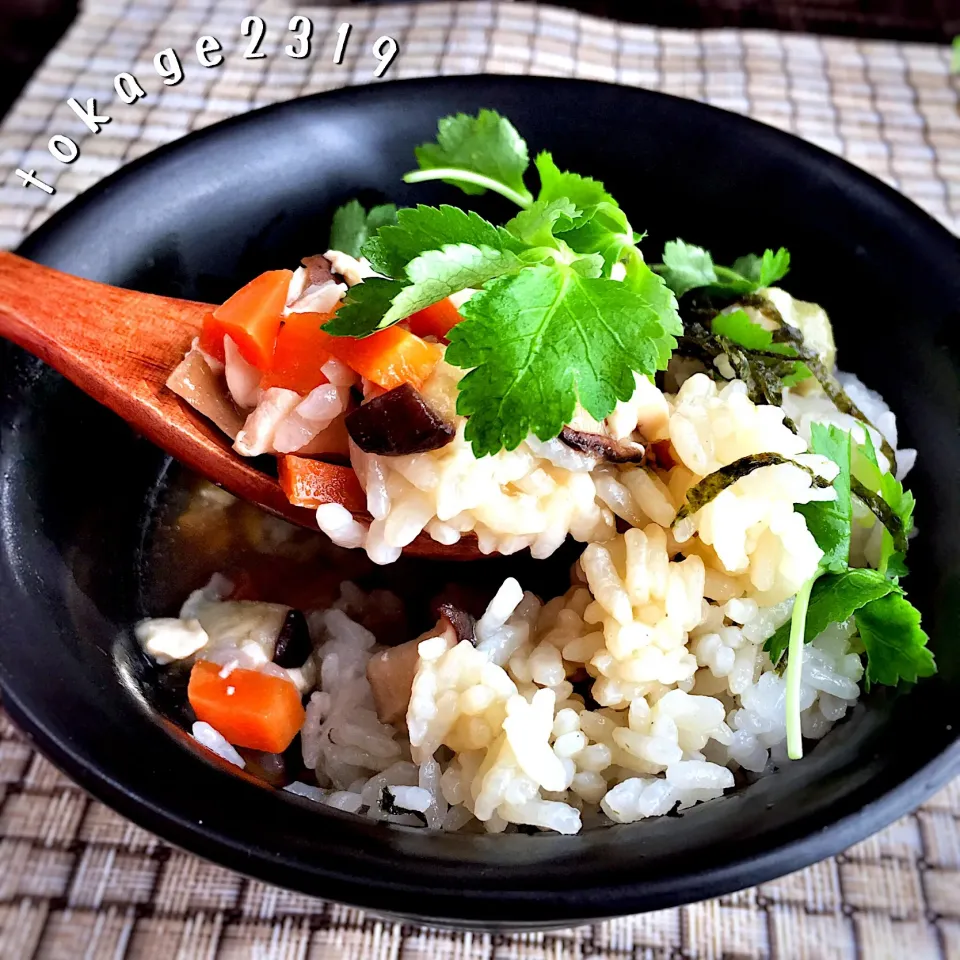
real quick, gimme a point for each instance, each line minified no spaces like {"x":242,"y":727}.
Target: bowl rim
{"x":472,"y":907}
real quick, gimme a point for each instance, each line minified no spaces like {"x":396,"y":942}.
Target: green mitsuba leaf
{"x":901,"y":502}
{"x":570,"y":339}
{"x":835,"y":597}
{"x":363,"y":308}
{"x":536,"y":225}
{"x":738,"y":326}
{"x":653,"y":290}
{"x":896,"y":646}
{"x":599,"y":227}
{"x":352,"y":225}
{"x":830,"y":521}
{"x":766,"y":270}
{"x":589,"y":266}
{"x":476,"y":154}
{"x":422,"y":228}
{"x":687,"y":267}
{"x":438,"y":273}
{"x":585,"y":193}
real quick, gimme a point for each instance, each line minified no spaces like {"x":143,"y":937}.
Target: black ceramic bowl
{"x":200,"y":217}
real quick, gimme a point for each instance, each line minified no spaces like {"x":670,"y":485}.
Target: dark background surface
{"x":30,"y":28}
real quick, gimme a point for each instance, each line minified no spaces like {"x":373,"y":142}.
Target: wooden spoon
{"x":120,"y":346}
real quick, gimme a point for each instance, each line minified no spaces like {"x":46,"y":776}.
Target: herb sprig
{"x":888,"y":624}
{"x":550,"y":325}
{"x":566,"y":311}
{"x":687,"y":267}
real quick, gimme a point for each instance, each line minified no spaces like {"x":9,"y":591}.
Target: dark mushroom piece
{"x":391,"y":671}
{"x":463,"y":623}
{"x":398,"y":422}
{"x":603,"y":447}
{"x":293,"y":642}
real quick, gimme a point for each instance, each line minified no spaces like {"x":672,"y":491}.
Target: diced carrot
{"x":310,"y":483}
{"x":251,"y":709}
{"x":435,"y":320}
{"x":251,"y":318}
{"x":389,"y":357}
{"x":300,"y":353}
{"x":211,"y":338}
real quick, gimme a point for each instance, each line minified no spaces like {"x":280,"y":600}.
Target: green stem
{"x":798,"y":622}
{"x":523,"y":200}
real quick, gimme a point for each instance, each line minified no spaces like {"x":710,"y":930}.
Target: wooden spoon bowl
{"x":119,"y":346}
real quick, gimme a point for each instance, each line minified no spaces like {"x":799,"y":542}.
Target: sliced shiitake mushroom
{"x":603,"y":447}
{"x":398,"y":422}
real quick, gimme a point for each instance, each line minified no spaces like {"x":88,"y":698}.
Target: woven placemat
{"x":76,"y":879}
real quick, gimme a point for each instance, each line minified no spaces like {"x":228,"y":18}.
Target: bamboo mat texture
{"x":77,"y":880}
{"x":931,"y":20}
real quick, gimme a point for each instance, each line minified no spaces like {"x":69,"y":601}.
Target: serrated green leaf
{"x":830,"y":521}
{"x":600,"y":226}
{"x":380,"y":216}
{"x":570,"y":339}
{"x":486,"y":145}
{"x":348,"y":231}
{"x":423,"y":228}
{"x":864,"y":465}
{"x":585,"y":193}
{"x":686,"y":267}
{"x":352,"y":225}
{"x":835,"y":597}
{"x":897,"y":566}
{"x":594,"y":237}
{"x":438,"y":273}
{"x":654,"y":291}
{"x":536,"y":225}
{"x":902,"y":503}
{"x":896,"y":645}
{"x":588,"y":266}
{"x":363,"y":308}
{"x":766,"y":270}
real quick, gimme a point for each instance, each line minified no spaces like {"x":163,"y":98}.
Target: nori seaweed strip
{"x":883,"y":512}
{"x":757,"y":366}
{"x":388,"y":804}
{"x":764,"y":306}
{"x":791,"y":335}
{"x":763,"y":373}
{"x":699,"y":495}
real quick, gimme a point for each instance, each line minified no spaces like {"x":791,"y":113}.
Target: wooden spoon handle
{"x":119,"y":347}
{"x":113,"y":343}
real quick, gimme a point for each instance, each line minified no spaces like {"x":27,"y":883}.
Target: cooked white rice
{"x":661,"y":631}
